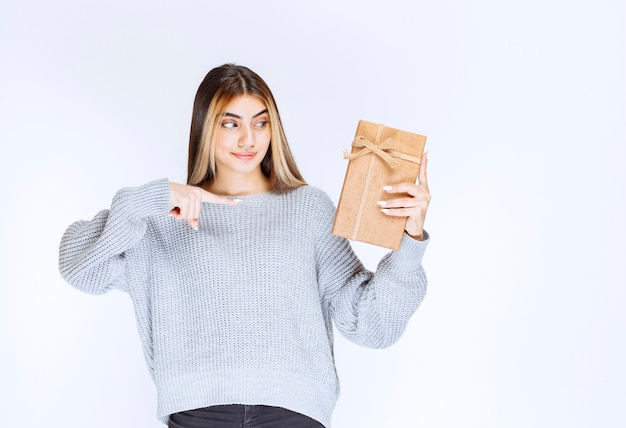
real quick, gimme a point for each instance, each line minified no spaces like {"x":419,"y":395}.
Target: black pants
{"x":241,"y":416}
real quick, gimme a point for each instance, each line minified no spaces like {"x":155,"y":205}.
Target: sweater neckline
{"x":255,"y":198}
{"x":264,"y":196}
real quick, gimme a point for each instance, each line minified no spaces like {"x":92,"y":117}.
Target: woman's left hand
{"x":413,"y":207}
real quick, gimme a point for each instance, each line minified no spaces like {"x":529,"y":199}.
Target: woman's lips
{"x":245,"y":156}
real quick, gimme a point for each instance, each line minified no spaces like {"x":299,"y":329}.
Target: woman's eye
{"x":262,"y":124}
{"x":229,"y":125}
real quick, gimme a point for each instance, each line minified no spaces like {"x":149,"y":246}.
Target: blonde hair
{"x":220,"y":86}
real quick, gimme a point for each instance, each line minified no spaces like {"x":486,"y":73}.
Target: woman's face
{"x":243,"y":136}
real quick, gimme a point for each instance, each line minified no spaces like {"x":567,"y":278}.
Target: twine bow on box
{"x":383,"y":150}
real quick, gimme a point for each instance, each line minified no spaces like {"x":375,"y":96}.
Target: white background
{"x":524,"y":107}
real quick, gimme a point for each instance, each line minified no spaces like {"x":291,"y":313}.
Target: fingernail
{"x":387,"y":188}
{"x":385,"y":210}
{"x":382,"y":203}
{"x":237,"y":200}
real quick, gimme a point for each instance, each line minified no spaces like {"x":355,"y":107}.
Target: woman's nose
{"x":247,"y":138}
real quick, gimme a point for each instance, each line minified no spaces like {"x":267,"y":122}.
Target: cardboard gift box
{"x":380,"y":156}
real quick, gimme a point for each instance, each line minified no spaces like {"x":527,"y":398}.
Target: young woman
{"x":235,"y":276}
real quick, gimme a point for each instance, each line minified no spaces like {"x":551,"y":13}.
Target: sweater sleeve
{"x":370,"y":309}
{"x":92,"y":253}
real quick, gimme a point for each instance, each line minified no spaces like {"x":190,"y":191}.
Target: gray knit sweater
{"x":240,"y":311}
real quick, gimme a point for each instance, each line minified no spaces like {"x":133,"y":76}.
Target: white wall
{"x":524,"y":107}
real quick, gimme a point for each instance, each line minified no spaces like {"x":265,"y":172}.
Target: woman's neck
{"x":238,"y":185}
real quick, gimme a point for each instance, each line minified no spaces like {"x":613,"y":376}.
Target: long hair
{"x":218,"y":88}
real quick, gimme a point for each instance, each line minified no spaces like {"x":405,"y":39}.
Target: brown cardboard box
{"x":380,"y":156}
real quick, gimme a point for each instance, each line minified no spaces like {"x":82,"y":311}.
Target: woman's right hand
{"x":187,"y":202}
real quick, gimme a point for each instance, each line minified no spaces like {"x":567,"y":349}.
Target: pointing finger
{"x":215,"y":199}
